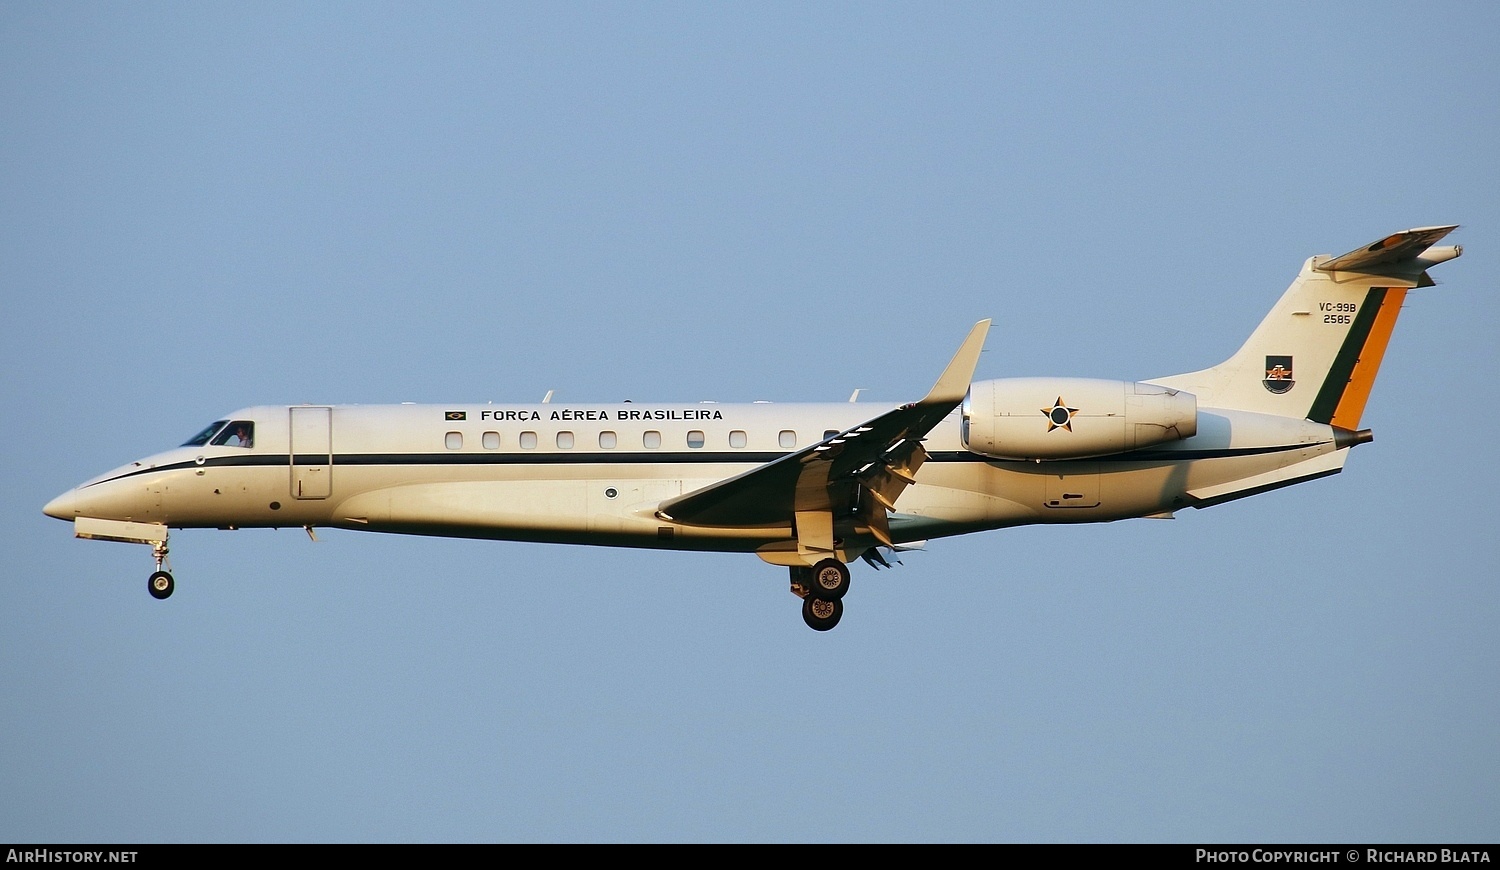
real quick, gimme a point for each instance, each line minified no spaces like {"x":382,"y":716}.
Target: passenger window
{"x":607,"y":440}
{"x":492,"y":441}
{"x":787,"y":438}
{"x":240,"y":433}
{"x":737,"y":439}
{"x":565,"y":440}
{"x":695,"y":439}
{"x":454,"y":440}
{"x":528,"y":440}
{"x":651,"y":440}
{"x":829,"y":433}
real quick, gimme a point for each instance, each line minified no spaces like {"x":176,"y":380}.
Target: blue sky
{"x":208,"y":206}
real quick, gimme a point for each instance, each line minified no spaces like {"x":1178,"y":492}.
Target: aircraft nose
{"x":64,"y":507}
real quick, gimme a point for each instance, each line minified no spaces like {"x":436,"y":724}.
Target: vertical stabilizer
{"x":1316,"y":354}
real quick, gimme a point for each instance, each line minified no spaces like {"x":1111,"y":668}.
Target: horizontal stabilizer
{"x":1398,"y":252}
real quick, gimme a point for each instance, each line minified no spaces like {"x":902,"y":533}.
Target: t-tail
{"x":1316,"y":354}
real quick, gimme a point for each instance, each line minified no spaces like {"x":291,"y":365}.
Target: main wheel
{"x":161,"y":585}
{"x":821,"y":614}
{"x":830,"y":579}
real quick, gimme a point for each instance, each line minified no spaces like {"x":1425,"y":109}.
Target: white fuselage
{"x":597,"y":473}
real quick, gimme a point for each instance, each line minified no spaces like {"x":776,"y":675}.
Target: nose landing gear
{"x":160,"y":584}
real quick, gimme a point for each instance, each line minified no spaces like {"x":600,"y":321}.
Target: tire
{"x":829,"y":580}
{"x":161,"y":585}
{"x":821,"y":614}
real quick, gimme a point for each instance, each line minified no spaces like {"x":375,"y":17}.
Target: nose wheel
{"x":160,"y":584}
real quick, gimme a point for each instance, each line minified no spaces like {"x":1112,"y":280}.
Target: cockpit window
{"x":202,"y":437}
{"x":240,"y":433}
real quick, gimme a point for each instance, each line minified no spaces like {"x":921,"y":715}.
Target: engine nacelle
{"x":1072,"y":418}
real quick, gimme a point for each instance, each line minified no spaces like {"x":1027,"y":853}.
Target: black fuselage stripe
{"x":1134,"y":455}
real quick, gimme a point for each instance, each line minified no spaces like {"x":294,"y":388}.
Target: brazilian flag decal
{"x":455,"y":415}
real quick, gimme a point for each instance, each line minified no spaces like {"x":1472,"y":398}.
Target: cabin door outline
{"x":311,"y":452}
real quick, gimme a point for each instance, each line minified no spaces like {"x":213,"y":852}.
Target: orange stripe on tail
{"x":1352,"y":403}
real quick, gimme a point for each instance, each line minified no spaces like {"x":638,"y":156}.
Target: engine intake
{"x":1072,"y":418}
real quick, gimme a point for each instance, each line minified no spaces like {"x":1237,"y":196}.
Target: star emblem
{"x":1059,"y":416}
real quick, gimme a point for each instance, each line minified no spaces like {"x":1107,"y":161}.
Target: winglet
{"x":953,"y":385}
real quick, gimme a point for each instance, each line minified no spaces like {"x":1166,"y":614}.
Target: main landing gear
{"x":822,"y":589}
{"x":161,"y":584}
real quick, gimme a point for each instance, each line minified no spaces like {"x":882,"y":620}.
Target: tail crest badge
{"x":1279,"y":374}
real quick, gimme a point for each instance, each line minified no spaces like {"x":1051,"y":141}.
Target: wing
{"x":880,"y":456}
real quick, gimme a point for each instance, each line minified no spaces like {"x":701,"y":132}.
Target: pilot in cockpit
{"x":240,"y":433}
